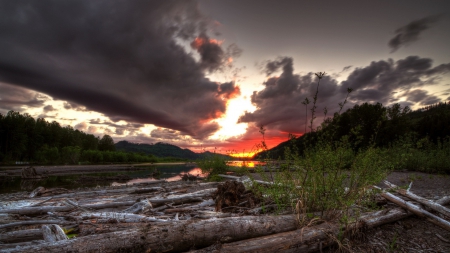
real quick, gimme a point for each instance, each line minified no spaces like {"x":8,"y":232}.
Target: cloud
{"x":120,"y":58}
{"x":81,"y":126}
{"x":119,"y":129}
{"x":48,"y":108}
{"x":73,"y":106}
{"x":279,"y":104}
{"x":410,"y":33}
{"x":165,"y":134}
{"x":19,"y":99}
{"x":346,"y":68}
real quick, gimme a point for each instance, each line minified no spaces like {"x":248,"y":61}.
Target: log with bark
{"x":428,"y":203}
{"x":171,"y":236}
{"x":21,"y":236}
{"x":307,"y":239}
{"x":417,"y":210}
{"x":33,"y":222}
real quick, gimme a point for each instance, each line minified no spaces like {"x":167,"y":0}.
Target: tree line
{"x":23,"y":138}
{"x":408,"y":135}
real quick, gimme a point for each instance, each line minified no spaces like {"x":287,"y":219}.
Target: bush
{"x":213,"y":165}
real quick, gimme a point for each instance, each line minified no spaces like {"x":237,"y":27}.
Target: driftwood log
{"x":171,"y":236}
{"x":417,"y":210}
{"x":428,"y":203}
{"x":21,"y":236}
{"x":155,"y":202}
{"x":33,"y":222}
{"x":307,"y":239}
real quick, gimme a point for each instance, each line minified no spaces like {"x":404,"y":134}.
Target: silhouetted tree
{"x":106,"y":143}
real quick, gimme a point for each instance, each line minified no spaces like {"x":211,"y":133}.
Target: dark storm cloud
{"x":14,"y":98}
{"x":211,"y":54}
{"x":48,"y":108}
{"x":279,"y":104}
{"x":421,"y":97}
{"x":165,"y":134}
{"x":409,"y":33}
{"x":120,"y":58}
{"x":430,"y":100}
{"x":346,"y":68}
{"x":273,"y":66}
{"x":416,"y":95}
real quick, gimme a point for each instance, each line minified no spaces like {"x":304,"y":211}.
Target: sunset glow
{"x":205,"y":75}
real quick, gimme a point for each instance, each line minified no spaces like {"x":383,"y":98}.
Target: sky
{"x":207,"y":75}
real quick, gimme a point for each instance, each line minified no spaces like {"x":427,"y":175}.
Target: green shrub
{"x":213,"y":165}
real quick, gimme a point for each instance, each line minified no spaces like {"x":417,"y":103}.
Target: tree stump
{"x":232,"y":195}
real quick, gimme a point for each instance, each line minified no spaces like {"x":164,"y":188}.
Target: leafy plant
{"x":213,"y":165}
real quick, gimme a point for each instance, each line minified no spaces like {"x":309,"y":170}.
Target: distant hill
{"x":161,"y":149}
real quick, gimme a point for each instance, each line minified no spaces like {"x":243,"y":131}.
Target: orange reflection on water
{"x":194,"y":171}
{"x":249,"y":164}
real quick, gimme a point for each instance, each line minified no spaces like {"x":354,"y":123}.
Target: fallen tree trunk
{"x":202,"y":193}
{"x":3,"y":247}
{"x":108,"y":192}
{"x":430,"y":204}
{"x":241,"y":179}
{"x":444,"y":201}
{"x":45,"y":209}
{"x":171,"y":236}
{"x":307,"y":239}
{"x":417,"y":210}
{"x":21,"y":236}
{"x":87,"y":228}
{"x":175,"y":201}
{"x":33,"y":222}
{"x":118,"y":217}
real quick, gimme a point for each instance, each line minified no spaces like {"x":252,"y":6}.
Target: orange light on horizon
{"x":243,"y":154}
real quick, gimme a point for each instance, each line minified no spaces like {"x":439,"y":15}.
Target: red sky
{"x":207,"y":74}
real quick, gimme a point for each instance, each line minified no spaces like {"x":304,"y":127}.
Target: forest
{"x":408,"y":135}
{"x":37,"y":141}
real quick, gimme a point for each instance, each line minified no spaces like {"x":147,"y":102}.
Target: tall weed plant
{"x":328,"y":178}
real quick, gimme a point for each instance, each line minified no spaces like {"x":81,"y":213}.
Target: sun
{"x":228,"y":122}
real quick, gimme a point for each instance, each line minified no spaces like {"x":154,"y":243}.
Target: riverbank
{"x":409,"y":234}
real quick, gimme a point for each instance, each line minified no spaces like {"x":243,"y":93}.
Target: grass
{"x":329,"y":179}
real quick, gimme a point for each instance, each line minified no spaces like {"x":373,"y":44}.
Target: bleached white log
{"x":417,"y":210}
{"x":430,"y":204}
{"x":139,"y":207}
{"x":53,"y":233}
{"x":120,"y":217}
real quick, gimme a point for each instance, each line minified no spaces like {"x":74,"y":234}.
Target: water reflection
{"x":147,"y":173}
{"x":169,"y":174}
{"x":249,"y":164}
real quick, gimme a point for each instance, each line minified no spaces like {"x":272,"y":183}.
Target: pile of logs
{"x":176,"y":217}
